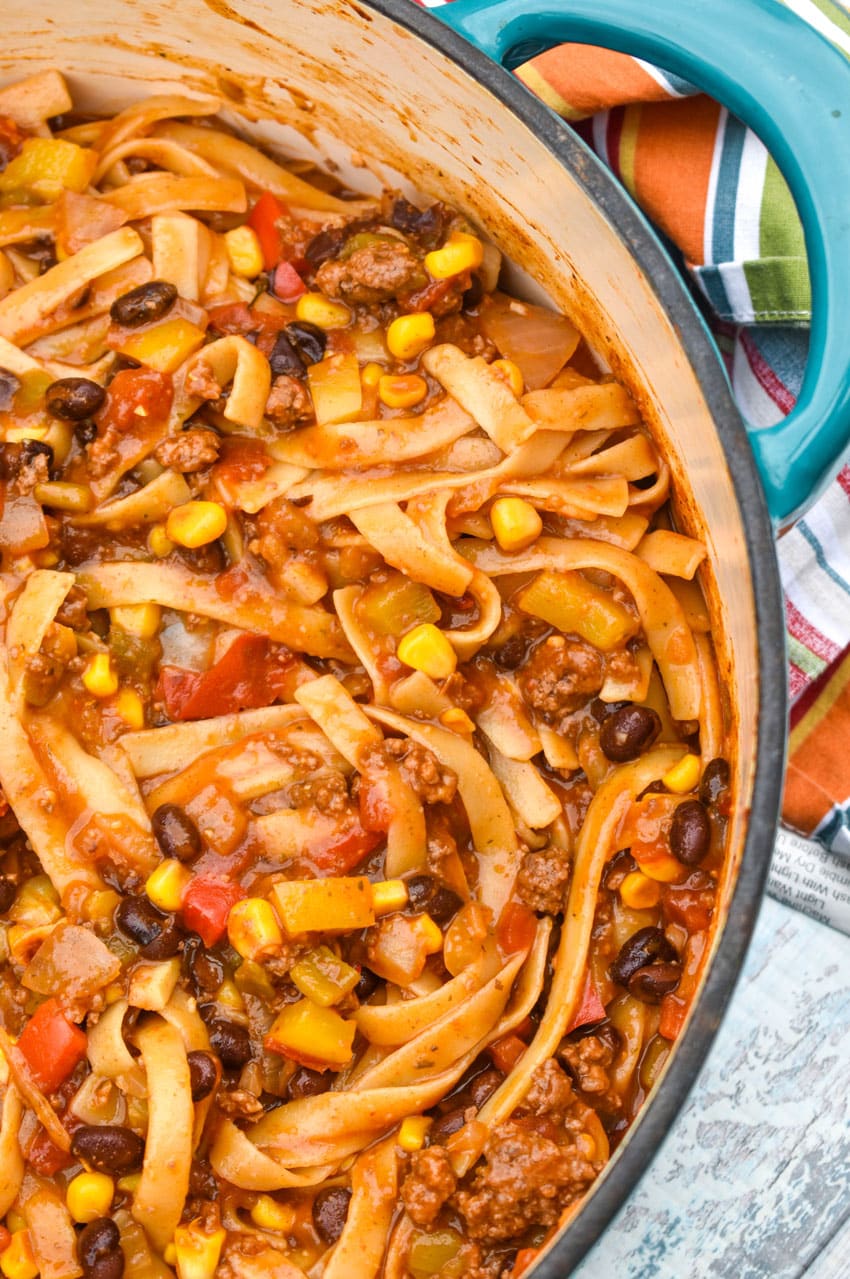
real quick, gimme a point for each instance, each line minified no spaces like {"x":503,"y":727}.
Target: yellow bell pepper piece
{"x":164,"y":346}
{"x":314,"y":1036}
{"x":335,"y":905}
{"x":17,"y":1260}
{"x":573,"y":604}
{"x":335,"y":388}
{"x":252,"y":928}
{"x":49,"y":166}
{"x":197,"y":1249}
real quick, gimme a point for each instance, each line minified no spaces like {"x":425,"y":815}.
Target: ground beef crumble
{"x":588,"y":1061}
{"x":374,"y":273}
{"x":560,"y":676}
{"x":543,"y":879}
{"x":430,"y":1181}
{"x":288,"y":402}
{"x":329,"y":794}
{"x":432,"y":781}
{"x":189,"y":451}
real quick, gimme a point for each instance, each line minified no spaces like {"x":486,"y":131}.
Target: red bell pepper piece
{"x":52,"y":1046}
{"x":672,"y":1019}
{"x":336,"y":845}
{"x":287,"y":283}
{"x":206,"y":905}
{"x":264,"y":219}
{"x":250,"y":674}
{"x":590,"y":1008}
{"x":516,"y":928}
{"x":525,"y":1258}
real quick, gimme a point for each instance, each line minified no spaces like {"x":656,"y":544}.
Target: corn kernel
{"x":45,"y":559}
{"x":515,"y":522}
{"x":426,"y":649}
{"x":166,"y":885}
{"x":402,"y":390}
{"x":137,"y":619}
{"x":197,"y":1250}
{"x":457,"y":720}
{"x":229,"y":996}
{"x":89,"y":1196}
{"x":17,"y":1261}
{"x":412,"y":1133}
{"x":131,"y":708}
{"x":15,"y":1220}
{"x":315,"y":308}
{"x":408,"y":335}
{"x":662,"y":867}
{"x":244,"y":252}
{"x":430,"y":933}
{"x":101,"y":904}
{"x":196,"y":523}
{"x":159,"y":543}
{"x":389,"y":895}
{"x":460,"y":253}
{"x":252,"y":928}
{"x":170,"y":1255}
{"x":510,"y":373}
{"x":639,"y":892}
{"x":371,"y":374}
{"x":683,"y":776}
{"x":268,"y":1214}
{"x":99,"y":677}
{"x":17,"y":434}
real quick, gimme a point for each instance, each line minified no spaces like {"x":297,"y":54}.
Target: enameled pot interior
{"x":348,"y":84}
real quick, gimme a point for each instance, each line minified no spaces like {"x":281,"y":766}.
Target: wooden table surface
{"x":754,"y":1180}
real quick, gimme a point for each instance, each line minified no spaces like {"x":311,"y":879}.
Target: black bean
{"x":330,"y":1209}
{"x":108,"y":1147}
{"x":690,"y":833}
{"x":284,"y":359}
{"x":306,"y":1083}
{"x":203,"y":1074}
{"x":176,"y":833}
{"x":99,"y":1249}
{"x":473,"y":294}
{"x":202,"y":1182}
{"x":308,"y":339}
{"x":643,"y":947}
{"x":446,"y":1126}
{"x":323,"y":246}
{"x":167,"y":943}
{"x":31,"y":449}
{"x":628,"y":732}
{"x":8,"y":892}
{"x":205,"y":971}
{"x":231,"y":1042}
{"x":483,"y":1086}
{"x":427,"y":893}
{"x":652,"y":983}
{"x":9,"y":386}
{"x":74,"y":398}
{"x":144,"y":304}
{"x":715,"y":780}
{"x":139,"y":919}
{"x":427,"y":225}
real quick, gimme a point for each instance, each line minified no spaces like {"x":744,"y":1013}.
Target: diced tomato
{"x":525,"y":1257}
{"x":516,"y":928}
{"x":241,"y":458}
{"x":264,"y":219}
{"x":52,"y":1046}
{"x":287,"y":283}
{"x":252,"y":673}
{"x":45,"y":1157}
{"x":590,"y":1008}
{"x":673,"y":1013}
{"x":206,"y":905}
{"x":689,"y":904}
{"x":337,"y":844}
{"x":134,"y":394}
{"x":506,"y":1052}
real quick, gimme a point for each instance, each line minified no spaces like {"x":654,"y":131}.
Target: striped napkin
{"x":712,"y":189}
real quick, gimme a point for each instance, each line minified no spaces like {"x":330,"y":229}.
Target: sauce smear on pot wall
{"x":363,"y":760}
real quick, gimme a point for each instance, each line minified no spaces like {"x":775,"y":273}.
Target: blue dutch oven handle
{"x":792,"y":87}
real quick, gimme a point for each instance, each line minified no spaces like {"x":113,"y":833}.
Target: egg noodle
{"x":360,"y":731}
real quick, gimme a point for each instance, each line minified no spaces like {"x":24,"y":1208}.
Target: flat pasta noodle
{"x":374,"y":1185}
{"x":310,"y":630}
{"x":152,"y":193}
{"x":11,"y":1159}
{"x":158,"y":1201}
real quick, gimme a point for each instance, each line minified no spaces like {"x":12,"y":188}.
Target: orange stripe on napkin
{"x":578,"y":80}
{"x":672,"y":168}
{"x":818,"y":756}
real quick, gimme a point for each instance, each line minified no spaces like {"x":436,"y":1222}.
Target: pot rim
{"x":658,"y":1114}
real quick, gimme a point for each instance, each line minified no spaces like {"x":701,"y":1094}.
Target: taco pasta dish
{"x":363,"y":756}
